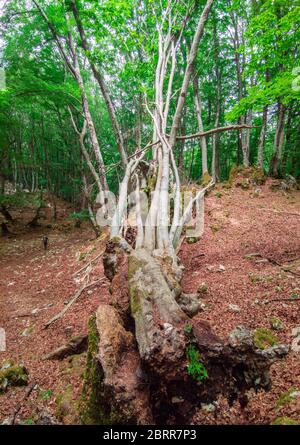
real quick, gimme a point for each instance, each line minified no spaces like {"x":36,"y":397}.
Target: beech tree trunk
{"x":246,"y":140}
{"x":100,"y":79}
{"x":198,"y":107}
{"x":261,"y":141}
{"x":215,"y":139}
{"x":274,"y":169}
{"x":138,"y":358}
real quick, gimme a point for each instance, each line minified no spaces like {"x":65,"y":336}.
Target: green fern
{"x":195,"y":368}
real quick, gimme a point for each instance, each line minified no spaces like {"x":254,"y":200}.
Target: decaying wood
{"x":115,"y":389}
{"x":158,"y":361}
{"x":76,"y":345}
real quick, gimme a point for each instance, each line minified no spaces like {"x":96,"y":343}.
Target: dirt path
{"x":35,"y":285}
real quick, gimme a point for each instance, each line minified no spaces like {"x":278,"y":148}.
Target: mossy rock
{"x":244,"y":184}
{"x":258,"y":176}
{"x":12,"y":375}
{"x":253,"y":175}
{"x":226,"y":185}
{"x":287,"y":397}
{"x":202,"y":288}
{"x":263,"y":338}
{"x":276,"y":324}
{"x":284,"y":421}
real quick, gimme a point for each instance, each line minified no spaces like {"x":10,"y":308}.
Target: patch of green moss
{"x":258,"y":176}
{"x":205,"y":180}
{"x":152,"y":182}
{"x":276,"y":324}
{"x":94,"y":406}
{"x":235,"y":170}
{"x":284,"y":421}
{"x":192,"y":239}
{"x":260,"y":278}
{"x":63,"y":402}
{"x":286,"y":397}
{"x":264,"y":338}
{"x":214,"y":228}
{"x":255,"y":175}
{"x":226,"y":185}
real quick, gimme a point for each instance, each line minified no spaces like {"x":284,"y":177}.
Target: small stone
{"x":168,"y":328}
{"x":27,"y":331}
{"x":221,"y":268}
{"x":176,"y":399}
{"x":295,"y":394}
{"x":69,"y":329}
{"x":7,"y":421}
{"x":209,"y":407}
{"x":234,"y":308}
{"x":240,"y":336}
{"x":296,"y":331}
{"x":295,"y":346}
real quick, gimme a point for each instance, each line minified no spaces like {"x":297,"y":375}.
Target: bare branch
{"x":215,"y":130}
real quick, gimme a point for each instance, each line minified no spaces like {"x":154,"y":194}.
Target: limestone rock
{"x":234,"y":308}
{"x":190,"y":303}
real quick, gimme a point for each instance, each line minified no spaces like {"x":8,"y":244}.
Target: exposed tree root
{"x":76,"y":345}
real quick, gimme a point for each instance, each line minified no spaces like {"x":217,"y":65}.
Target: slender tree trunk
{"x":100,"y":79}
{"x":261,"y":141}
{"x":246,"y":140}
{"x":72,"y":64}
{"x":198,"y":109}
{"x":188,"y":71}
{"x":274,"y":169}
{"x":288,"y":144}
{"x":239,"y":72}
{"x":215,"y":138}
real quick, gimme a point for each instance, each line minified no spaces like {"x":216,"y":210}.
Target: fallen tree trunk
{"x":158,"y":359}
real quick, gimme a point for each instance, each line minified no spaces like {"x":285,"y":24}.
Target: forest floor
{"x":249,"y":257}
